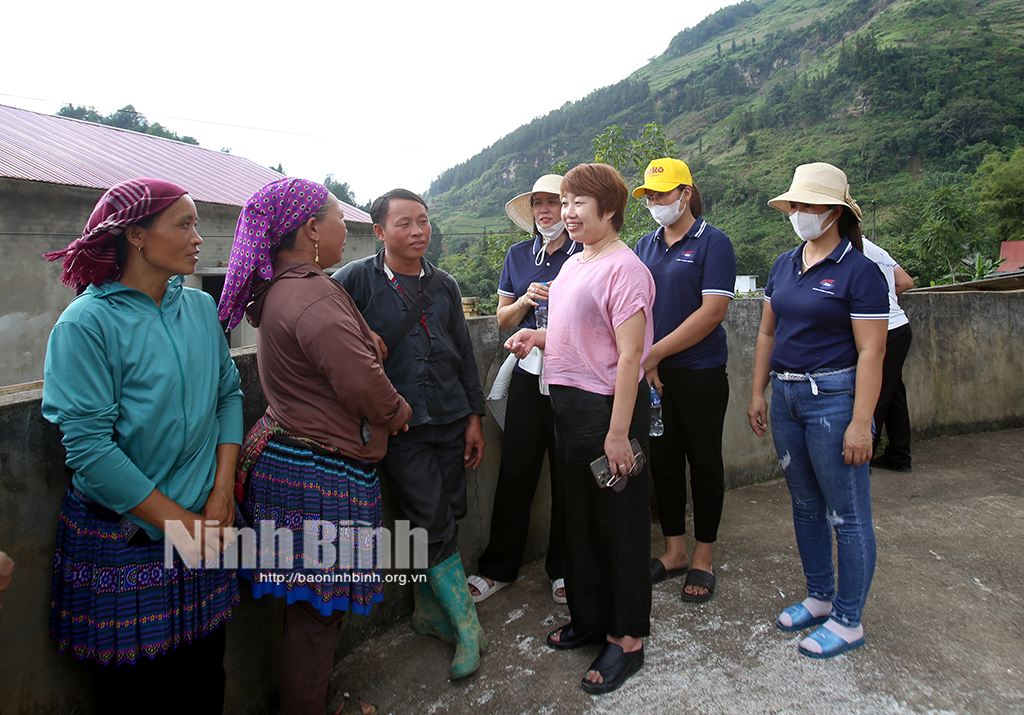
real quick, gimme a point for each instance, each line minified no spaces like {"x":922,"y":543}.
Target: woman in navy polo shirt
{"x":529,"y":268}
{"x":822,"y":340}
{"x":694,"y":269}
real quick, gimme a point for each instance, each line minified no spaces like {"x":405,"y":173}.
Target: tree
{"x":127,"y":117}
{"x":949,"y":233}
{"x":999,"y":183}
{"x":630,"y":158}
{"x":343,"y":192}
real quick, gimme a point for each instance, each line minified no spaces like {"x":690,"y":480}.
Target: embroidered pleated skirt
{"x":114,"y":602}
{"x":331,"y":506}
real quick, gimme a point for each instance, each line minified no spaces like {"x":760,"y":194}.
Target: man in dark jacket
{"x":433,"y":367}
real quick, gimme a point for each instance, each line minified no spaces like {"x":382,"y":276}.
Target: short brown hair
{"x":601,"y":183}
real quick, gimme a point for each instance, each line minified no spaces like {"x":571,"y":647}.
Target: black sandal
{"x":569,"y":639}
{"x":701,"y":579}
{"x":615,"y":667}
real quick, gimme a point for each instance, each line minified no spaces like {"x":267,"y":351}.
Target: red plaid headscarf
{"x":92,"y":259}
{"x":270,"y":214}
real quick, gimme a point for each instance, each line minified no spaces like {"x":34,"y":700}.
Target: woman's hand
{"x":536,"y":293}
{"x":220,"y":507}
{"x":524,"y":341}
{"x":619,"y":453}
{"x":654,"y":380}
{"x":198,"y":540}
{"x":757,"y":413}
{"x":857,"y":444}
{"x":407,"y":415}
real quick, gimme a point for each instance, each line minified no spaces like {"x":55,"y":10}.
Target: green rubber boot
{"x":448,"y":581}
{"x":428,"y":618}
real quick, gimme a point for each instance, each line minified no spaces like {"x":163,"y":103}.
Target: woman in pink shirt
{"x":599,"y":332}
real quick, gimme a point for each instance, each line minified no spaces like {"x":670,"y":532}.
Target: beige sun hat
{"x":519,"y":209}
{"x":817,"y":183}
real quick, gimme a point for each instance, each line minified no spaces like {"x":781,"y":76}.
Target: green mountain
{"x":891,"y":91}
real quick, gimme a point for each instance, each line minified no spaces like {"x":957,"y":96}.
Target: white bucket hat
{"x":818,"y":183}
{"x":519,"y":209}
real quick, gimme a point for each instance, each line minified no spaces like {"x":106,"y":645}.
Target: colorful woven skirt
{"x":324,"y":499}
{"x":114,"y":602}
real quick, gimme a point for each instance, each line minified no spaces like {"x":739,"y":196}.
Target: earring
{"x":140,"y":255}
{"x":316,"y":247}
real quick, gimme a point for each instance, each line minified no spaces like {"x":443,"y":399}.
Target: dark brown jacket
{"x":319,"y":363}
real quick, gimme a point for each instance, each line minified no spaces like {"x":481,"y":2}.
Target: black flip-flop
{"x":615,"y":668}
{"x":569,"y":639}
{"x":702,"y":579}
{"x":659,"y":573}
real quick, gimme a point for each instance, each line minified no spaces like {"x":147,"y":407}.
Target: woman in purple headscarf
{"x":308,"y":463}
{"x":139,"y":378}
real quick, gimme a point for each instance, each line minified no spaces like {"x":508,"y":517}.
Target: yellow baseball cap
{"x":664,"y":175}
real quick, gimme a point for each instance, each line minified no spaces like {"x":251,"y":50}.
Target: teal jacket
{"x":142,"y":394}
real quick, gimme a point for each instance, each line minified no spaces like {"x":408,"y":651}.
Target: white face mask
{"x":810,"y":226}
{"x":668,"y":214}
{"x":552,"y":232}
{"x":549,"y":234}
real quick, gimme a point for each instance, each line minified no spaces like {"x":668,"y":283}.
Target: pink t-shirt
{"x":588,"y":302}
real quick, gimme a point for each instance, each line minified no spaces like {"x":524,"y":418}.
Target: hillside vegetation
{"x":907,"y":96}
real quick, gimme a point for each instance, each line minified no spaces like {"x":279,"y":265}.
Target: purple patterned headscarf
{"x":271,"y":213}
{"x":92,"y":259}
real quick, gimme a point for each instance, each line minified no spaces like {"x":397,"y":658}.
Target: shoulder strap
{"x":416,"y":311}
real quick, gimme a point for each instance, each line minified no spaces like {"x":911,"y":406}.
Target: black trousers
{"x":892,"y":411}
{"x":607,"y":533}
{"x":188,"y":679}
{"x":427,"y":473}
{"x":529,"y":434}
{"x":693,"y":410}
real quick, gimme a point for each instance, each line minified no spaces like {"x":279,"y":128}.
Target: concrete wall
{"x":963,"y":374}
{"x":36,"y":218}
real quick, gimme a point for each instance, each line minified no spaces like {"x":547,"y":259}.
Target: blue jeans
{"x":808,"y":433}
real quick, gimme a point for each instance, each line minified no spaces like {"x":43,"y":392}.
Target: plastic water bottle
{"x":540,"y":314}
{"x":657,"y":426}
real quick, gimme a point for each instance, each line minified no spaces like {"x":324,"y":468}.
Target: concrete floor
{"x":944,"y":620}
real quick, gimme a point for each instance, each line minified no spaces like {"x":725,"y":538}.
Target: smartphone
{"x":603,"y":474}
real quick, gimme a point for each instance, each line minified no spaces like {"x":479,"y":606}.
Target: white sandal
{"x":485,"y":591}
{"x":558,"y":583}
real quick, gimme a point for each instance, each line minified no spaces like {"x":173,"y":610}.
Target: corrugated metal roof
{"x":1013,"y":254}
{"x":996,"y":282}
{"x":60,"y":150}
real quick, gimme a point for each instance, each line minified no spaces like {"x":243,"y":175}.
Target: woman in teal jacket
{"x":139,"y":378}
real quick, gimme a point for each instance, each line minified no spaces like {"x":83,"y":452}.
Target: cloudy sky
{"x":380,"y":94}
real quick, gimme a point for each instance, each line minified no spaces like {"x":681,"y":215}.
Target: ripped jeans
{"x":827,"y":494}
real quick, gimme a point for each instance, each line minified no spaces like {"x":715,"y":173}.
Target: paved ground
{"x":944,"y":621}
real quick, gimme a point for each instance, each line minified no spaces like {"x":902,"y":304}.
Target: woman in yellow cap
{"x":694,"y":269}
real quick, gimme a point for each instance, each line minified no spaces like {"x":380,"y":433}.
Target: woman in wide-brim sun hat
{"x":530,"y":267}
{"x":821,"y":344}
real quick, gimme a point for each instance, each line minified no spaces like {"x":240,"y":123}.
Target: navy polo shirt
{"x":521,"y":269}
{"x":700,"y":263}
{"x":813,"y":310}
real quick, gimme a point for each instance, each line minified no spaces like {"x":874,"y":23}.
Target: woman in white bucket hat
{"x":821,"y":344}
{"x":529,"y":268}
